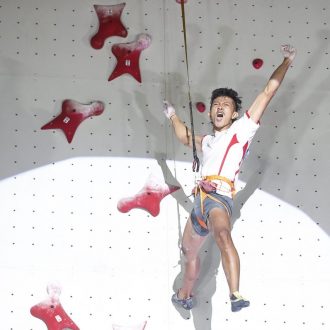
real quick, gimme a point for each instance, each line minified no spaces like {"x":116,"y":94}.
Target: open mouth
{"x":220,"y":114}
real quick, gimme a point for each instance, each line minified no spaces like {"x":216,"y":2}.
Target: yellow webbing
{"x":204,"y":194}
{"x":221,"y":178}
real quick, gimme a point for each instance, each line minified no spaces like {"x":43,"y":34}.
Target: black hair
{"x":229,"y":93}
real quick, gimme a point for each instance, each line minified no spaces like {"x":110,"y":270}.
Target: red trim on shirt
{"x":248,"y":115}
{"x":245,"y":148}
{"x":231,"y":143}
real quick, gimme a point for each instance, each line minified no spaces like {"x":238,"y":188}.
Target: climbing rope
{"x":196,"y":162}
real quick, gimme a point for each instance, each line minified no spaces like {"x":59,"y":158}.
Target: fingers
{"x":168,"y":109}
{"x":166,"y":104}
{"x":288,"y":51}
{"x":287,"y":48}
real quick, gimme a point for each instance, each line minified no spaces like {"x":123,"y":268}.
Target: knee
{"x":188,"y":253}
{"x":223,"y":238}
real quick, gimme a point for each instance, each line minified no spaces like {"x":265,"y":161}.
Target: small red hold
{"x":180,"y":1}
{"x":200,"y":106}
{"x":110,"y":24}
{"x":257,"y":63}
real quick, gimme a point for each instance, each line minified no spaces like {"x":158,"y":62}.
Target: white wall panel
{"x":59,"y":220}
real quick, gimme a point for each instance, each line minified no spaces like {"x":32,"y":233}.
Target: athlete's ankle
{"x":234,"y":293}
{"x":182,"y":294}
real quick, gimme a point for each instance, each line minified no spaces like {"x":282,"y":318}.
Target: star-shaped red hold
{"x":52,"y":313}
{"x":73,"y":113}
{"x":128,"y":55}
{"x":109,"y":24}
{"x":148,"y":198}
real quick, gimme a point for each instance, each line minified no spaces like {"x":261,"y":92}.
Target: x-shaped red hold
{"x":148,"y":198}
{"x":73,"y":113}
{"x":52,"y":313}
{"x":128,"y":55}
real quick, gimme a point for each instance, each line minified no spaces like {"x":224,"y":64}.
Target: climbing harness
{"x":221,"y":181}
{"x":196,"y":162}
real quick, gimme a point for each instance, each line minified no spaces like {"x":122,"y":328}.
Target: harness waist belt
{"x":221,"y":183}
{"x":206,"y":185}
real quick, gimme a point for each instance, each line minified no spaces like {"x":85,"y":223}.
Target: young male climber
{"x":223,"y":152}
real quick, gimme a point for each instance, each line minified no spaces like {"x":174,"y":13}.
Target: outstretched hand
{"x":168,"y":109}
{"x":288,"y":51}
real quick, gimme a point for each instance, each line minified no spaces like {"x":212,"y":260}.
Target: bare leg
{"x":191,"y":244}
{"x":221,"y":228}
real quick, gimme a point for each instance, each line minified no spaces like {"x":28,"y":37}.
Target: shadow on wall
{"x":310,"y":103}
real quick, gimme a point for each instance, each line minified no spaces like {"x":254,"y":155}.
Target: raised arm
{"x":182,"y":132}
{"x":259,"y":106}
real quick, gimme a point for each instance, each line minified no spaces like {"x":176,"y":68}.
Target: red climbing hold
{"x":109,"y":24}
{"x":180,"y":1}
{"x":257,"y":63}
{"x":148,"y":198}
{"x":128,"y":55}
{"x":200,"y":106}
{"x":52,"y":313}
{"x":73,"y":113}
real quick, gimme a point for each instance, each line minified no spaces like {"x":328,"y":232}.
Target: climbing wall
{"x":95,"y":189}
